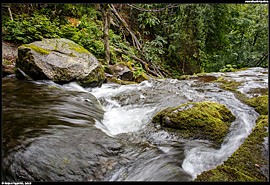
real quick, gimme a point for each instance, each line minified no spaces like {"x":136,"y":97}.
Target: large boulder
{"x":60,"y":60}
{"x":201,"y":120}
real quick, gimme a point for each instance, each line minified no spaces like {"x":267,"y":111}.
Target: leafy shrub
{"x":154,"y":48}
{"x":138,"y":70}
{"x":228,"y":68}
{"x":24,"y":30}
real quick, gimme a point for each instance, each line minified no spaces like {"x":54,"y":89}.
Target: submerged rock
{"x":202,"y":120}
{"x":61,"y":61}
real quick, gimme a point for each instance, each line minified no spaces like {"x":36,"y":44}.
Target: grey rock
{"x":60,"y":60}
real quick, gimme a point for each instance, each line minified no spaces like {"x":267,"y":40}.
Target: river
{"x":55,"y":132}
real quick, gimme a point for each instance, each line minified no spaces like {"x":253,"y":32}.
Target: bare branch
{"x":137,"y":43}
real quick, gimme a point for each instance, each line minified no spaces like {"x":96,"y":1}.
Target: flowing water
{"x":66,"y":132}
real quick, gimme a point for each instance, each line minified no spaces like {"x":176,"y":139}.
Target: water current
{"x":55,"y":132}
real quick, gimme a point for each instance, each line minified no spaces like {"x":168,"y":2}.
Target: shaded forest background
{"x":165,"y":40}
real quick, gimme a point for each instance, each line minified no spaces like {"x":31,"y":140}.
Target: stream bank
{"x":250,"y":162}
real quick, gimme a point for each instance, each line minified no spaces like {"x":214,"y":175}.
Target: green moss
{"x":66,"y":160}
{"x":127,"y":64}
{"x":121,"y":82}
{"x":36,"y":49}
{"x":246,"y":162}
{"x":184,"y":77}
{"x":72,"y":55}
{"x":53,"y":87}
{"x":229,"y":85}
{"x":6,"y":62}
{"x":259,"y":103}
{"x":204,"y":120}
{"x":77,"y":48}
{"x":220,"y":79}
{"x":96,"y":78}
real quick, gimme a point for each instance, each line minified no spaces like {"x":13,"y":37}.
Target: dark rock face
{"x":60,"y":60}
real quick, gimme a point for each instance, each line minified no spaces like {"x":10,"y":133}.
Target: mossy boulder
{"x":250,"y":162}
{"x":201,"y":120}
{"x":259,"y":103}
{"x":60,"y":60}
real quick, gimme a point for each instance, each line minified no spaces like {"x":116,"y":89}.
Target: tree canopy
{"x":168,"y":40}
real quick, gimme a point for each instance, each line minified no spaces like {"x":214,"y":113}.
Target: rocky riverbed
{"x":66,"y":132}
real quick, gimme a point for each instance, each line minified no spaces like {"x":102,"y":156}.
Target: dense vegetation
{"x":167,"y":40}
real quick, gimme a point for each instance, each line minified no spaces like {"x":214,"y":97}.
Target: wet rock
{"x":203,"y":120}
{"x":141,"y":78}
{"x":7,"y":68}
{"x":9,"y":51}
{"x":81,"y":157}
{"x":184,"y":77}
{"x":61,"y":61}
{"x":9,"y":55}
{"x":122,"y":71}
{"x":113,"y":79}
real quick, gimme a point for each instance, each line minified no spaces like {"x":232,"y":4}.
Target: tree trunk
{"x":184,"y":59}
{"x":106,"y":15}
{"x":9,"y":12}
